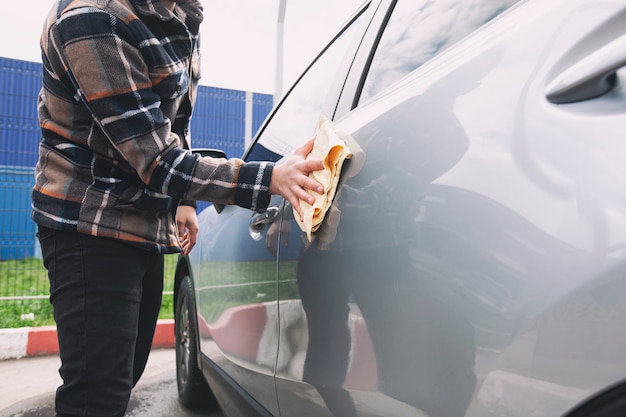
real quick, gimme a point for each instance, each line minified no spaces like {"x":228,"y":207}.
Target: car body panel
{"x":235,"y":284}
{"x":478,"y":264}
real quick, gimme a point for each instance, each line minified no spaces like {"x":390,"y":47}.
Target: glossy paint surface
{"x":478,"y":261}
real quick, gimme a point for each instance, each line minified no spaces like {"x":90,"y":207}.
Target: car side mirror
{"x":213,"y":153}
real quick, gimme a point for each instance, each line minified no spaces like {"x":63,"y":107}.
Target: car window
{"x":296,"y":119}
{"x":418,"y":30}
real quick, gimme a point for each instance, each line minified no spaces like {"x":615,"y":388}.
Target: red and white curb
{"x":39,"y":341}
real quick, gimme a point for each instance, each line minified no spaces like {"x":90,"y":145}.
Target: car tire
{"x":193,"y":390}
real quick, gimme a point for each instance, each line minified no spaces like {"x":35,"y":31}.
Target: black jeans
{"x":106,"y":296}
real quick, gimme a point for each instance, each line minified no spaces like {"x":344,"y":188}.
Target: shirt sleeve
{"x":108,"y":61}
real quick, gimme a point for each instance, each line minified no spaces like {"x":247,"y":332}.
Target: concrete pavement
{"x":37,"y":377}
{"x":29,"y":361}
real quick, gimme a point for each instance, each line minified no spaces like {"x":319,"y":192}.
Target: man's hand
{"x":187,"y":222}
{"x":290,"y":179}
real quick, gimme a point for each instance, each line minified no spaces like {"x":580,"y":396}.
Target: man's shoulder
{"x":120,"y":8}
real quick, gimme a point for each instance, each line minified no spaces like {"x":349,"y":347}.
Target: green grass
{"x":28,"y":277}
{"x":222,"y":285}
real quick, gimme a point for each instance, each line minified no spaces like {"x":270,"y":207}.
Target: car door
{"x":330,"y":362}
{"x":477,"y":265}
{"x":235,"y":263}
{"x":235,"y":287}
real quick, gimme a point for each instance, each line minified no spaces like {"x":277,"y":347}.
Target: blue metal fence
{"x":262,"y":104}
{"x":19,"y":85}
{"x":219,"y":120}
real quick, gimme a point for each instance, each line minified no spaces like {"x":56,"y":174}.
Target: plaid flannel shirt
{"x":119,"y":78}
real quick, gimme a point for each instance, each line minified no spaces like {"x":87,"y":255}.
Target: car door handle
{"x":260,"y":221}
{"x":590,"y":77}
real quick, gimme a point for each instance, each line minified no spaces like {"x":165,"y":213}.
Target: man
{"x":114,"y":170}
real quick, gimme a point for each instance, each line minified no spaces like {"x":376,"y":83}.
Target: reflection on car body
{"x":478,"y":264}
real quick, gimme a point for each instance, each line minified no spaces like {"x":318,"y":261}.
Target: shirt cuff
{"x":253,"y":186}
{"x":191,"y":203}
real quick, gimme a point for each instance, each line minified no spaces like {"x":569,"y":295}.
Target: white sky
{"x":238,"y":37}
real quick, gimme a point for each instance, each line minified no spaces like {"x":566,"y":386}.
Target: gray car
{"x":476,"y":260}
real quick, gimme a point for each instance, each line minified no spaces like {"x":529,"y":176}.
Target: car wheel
{"x":193,"y":390}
